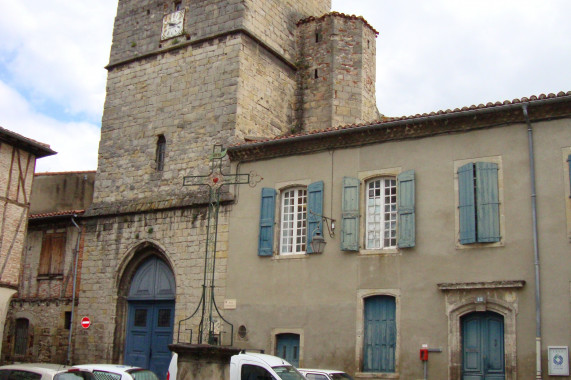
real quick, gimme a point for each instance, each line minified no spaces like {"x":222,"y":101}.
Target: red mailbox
{"x":424,"y":354}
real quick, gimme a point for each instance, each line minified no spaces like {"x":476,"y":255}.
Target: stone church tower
{"x":185,"y":75}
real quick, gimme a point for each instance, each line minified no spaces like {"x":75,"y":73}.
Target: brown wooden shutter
{"x":45,"y":255}
{"x":58,"y":247}
{"x":52,"y":254}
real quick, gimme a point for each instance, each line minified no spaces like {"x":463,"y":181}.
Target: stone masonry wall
{"x":370,"y":111}
{"x":337,"y":85}
{"x":44,"y":301}
{"x":47,"y":334}
{"x":315,"y":86}
{"x":189,"y":96}
{"x":111,"y":244}
{"x":266,"y":94}
{"x":138,"y":23}
{"x":32,"y":288}
{"x":275,"y":21}
{"x":195,"y":97}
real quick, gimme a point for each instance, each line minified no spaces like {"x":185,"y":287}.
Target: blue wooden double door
{"x":287,"y":347}
{"x":483,"y":346}
{"x":150,"y":317}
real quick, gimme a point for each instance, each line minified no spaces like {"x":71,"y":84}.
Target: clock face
{"x":173,"y":25}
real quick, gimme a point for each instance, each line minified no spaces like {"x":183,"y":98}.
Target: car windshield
{"x":288,"y":373}
{"x":143,"y":374}
{"x":340,"y":376}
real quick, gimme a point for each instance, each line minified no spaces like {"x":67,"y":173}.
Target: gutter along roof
{"x":543,"y":107}
{"x":56,"y":216}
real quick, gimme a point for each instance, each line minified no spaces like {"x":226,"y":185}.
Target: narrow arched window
{"x":161,"y":151}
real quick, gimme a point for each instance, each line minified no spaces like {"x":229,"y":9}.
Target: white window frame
{"x":364,"y":177}
{"x":380,"y":202}
{"x":297,"y":241}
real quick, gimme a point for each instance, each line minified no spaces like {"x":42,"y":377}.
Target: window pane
{"x":293,"y":221}
{"x":161,"y":151}
{"x":164,"y":318}
{"x":381,"y":213}
{"x":140,"y":317}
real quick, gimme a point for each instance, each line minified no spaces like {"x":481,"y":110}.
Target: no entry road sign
{"x":85,"y":322}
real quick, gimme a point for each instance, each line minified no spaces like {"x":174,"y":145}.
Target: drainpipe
{"x":76,"y":258}
{"x":535,"y":247}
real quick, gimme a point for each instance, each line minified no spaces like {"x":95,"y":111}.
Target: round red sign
{"x":85,"y":322}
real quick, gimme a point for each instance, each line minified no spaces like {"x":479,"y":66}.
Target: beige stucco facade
{"x":436,"y":282}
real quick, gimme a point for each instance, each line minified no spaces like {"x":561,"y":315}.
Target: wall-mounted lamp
{"x":329,"y":222}
{"x":317,"y":241}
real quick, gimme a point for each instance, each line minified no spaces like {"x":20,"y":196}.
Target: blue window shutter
{"x":487,"y":202}
{"x":314,"y":211}
{"x":350,"y":214}
{"x":267,"y":214}
{"x":466,"y":204}
{"x":406,"y":213}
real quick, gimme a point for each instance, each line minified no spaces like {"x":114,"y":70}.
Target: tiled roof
{"x":337,"y":14}
{"x":56,"y":213}
{"x":37,"y":148}
{"x":395,"y":128}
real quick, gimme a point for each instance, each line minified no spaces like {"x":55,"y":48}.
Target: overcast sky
{"x":431,"y":55}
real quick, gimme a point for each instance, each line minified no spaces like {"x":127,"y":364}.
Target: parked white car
{"x":251,"y":365}
{"x":118,"y":372}
{"x":42,"y":371}
{"x":324,"y":374}
{"x":173,"y":367}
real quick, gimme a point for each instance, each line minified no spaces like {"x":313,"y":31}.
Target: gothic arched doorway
{"x":150,"y":316}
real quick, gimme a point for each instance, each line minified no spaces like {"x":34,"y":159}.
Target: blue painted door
{"x":150,"y":317}
{"x":483,"y":347}
{"x":287,"y":347}
{"x":380,"y":339}
{"x":149,"y":332}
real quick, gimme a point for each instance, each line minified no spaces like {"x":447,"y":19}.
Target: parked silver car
{"x":43,"y":371}
{"x":324,"y":374}
{"x":118,"y":372}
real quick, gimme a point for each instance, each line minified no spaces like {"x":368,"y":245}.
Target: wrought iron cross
{"x":214,"y":181}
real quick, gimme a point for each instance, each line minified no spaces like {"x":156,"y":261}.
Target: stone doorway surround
{"x":466,"y":297}
{"x":123,"y":277}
